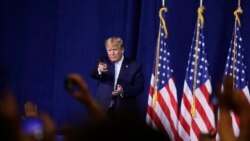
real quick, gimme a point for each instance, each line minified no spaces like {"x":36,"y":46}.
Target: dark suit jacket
{"x":130,"y":78}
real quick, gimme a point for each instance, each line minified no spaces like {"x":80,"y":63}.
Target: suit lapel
{"x":124,"y":68}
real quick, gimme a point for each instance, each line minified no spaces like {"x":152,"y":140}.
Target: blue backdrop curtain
{"x":42,"y":41}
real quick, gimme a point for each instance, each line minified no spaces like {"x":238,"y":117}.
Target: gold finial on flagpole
{"x":236,"y":12}
{"x":163,"y":22}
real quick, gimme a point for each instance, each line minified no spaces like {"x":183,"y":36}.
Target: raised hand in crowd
{"x":231,"y":100}
{"x":10,"y":129}
{"x":38,"y":122}
{"x":30,"y":109}
{"x":108,"y":129}
{"x":83,"y":94}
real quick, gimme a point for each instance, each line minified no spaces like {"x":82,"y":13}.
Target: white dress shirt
{"x":118,"y":66}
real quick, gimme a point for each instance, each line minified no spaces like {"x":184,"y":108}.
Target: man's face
{"x":115,"y":52}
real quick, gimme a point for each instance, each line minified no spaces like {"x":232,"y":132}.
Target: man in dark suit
{"x":120,"y":80}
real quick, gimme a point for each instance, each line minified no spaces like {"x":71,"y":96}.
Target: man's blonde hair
{"x":115,"y":41}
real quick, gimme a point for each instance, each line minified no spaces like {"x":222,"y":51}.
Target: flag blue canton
{"x":235,"y":61}
{"x":164,"y":70}
{"x":200,"y":57}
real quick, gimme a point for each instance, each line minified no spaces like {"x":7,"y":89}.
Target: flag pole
{"x":156,"y":69}
{"x":161,"y":25}
{"x":200,"y":3}
{"x":200,"y":23}
{"x":155,"y":95}
{"x":236,"y":21}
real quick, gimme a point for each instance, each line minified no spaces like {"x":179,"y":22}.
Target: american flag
{"x":162,"y":112}
{"x":236,"y":68}
{"x":197,"y":114}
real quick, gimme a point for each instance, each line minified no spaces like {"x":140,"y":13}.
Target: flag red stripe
{"x":196,"y":129}
{"x":203,"y":111}
{"x":182,"y":120}
{"x":167,"y":113}
{"x":205,"y":92}
{"x":184,"y":124}
{"x":172,"y":99}
{"x":153,"y":115}
{"x":151,"y":91}
{"x":203,"y":115}
{"x":186,"y":102}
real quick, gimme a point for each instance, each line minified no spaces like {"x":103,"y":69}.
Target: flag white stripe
{"x":151,"y":122}
{"x":160,"y":112}
{"x":199,"y":121}
{"x":236,"y":128}
{"x":246,"y":93}
{"x":184,"y":111}
{"x":164,"y":120}
{"x":181,"y":130}
{"x":193,"y":136}
{"x":205,"y":105}
{"x":173,"y":88}
{"x":171,"y":109}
